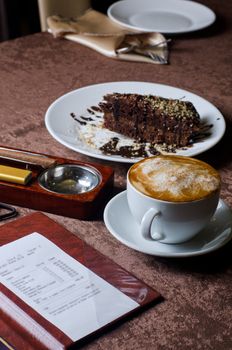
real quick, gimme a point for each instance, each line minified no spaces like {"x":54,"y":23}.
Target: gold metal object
{"x":15,"y":175}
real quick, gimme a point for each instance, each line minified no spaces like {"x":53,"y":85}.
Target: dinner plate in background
{"x":164,"y":16}
{"x":68,"y":118}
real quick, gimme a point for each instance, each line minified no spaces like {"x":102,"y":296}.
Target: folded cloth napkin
{"x":98,"y":32}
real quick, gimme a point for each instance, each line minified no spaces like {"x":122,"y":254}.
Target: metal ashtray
{"x":69,"y":179}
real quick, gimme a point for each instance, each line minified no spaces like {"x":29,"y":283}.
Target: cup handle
{"x":146,"y":223}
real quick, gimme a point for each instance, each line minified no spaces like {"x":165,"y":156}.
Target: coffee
{"x":174,"y":178}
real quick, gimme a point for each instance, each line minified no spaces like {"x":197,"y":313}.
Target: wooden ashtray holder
{"x":81,"y":206}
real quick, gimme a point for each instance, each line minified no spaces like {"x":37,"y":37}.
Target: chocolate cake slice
{"x":149,"y":118}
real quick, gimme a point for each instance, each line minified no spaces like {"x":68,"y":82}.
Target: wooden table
{"x":37,"y":69}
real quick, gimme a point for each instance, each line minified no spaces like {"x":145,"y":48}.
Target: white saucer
{"x":122,"y":226}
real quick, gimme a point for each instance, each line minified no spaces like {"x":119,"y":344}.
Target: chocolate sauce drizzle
{"x":96,"y":108}
{"x":88,"y":119}
{"x":77,"y":119}
{"x":134,"y":151}
{"x":90,"y":111}
{"x":202,"y":134}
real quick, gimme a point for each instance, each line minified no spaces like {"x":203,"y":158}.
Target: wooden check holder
{"x":33,"y":196}
{"x":22,"y":326}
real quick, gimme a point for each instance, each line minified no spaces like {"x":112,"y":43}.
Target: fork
{"x":157,"y":58}
{"x":133,"y":47}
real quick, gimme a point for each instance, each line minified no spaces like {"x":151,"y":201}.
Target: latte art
{"x":174,"y":178}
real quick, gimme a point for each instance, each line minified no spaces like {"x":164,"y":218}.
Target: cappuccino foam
{"x":174,"y":178}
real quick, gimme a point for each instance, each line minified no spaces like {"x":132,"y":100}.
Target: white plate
{"x":70,"y":133}
{"x":165,"y":16}
{"x":121,"y":225}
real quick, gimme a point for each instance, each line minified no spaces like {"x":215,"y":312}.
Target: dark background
{"x":21,"y":17}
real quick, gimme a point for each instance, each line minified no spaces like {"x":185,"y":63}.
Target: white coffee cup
{"x":171,"y":197}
